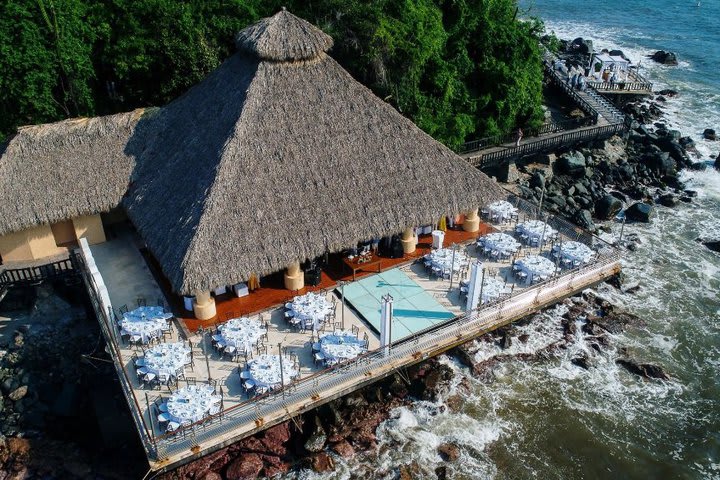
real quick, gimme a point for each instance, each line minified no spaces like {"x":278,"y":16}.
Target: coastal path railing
{"x":261,"y":412}
{"x":545,"y":145}
{"x":602,"y":121}
{"x":635,"y":83}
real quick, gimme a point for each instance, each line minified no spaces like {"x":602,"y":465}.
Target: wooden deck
{"x":273,"y":293}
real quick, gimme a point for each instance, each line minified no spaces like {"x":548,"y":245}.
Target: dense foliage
{"x":458,"y":68}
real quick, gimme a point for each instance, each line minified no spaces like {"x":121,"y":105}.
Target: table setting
{"x":310,"y":307}
{"x":501,"y":211}
{"x":571,"y":252}
{"x":536,"y":267}
{"x":341,"y":345}
{"x":441,"y":260}
{"x":167,"y":358}
{"x":502,"y":243}
{"x":265,"y":370}
{"x":192,"y":403}
{"x":535,"y":231}
{"x":242,"y":333}
{"x":146,"y":322}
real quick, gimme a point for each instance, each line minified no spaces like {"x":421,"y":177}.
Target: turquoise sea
{"x":549,"y":419}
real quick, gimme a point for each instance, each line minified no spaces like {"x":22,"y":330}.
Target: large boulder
{"x":717,"y":162}
{"x":607,"y":207}
{"x":584,"y":219}
{"x":666,"y":58}
{"x":709,"y":134}
{"x":639,"y":212}
{"x":246,"y":466}
{"x":572,"y":163}
{"x":537,"y":180}
{"x":660,"y":162}
{"x":580,"y":45}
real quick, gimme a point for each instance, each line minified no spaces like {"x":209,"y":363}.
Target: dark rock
{"x":713,"y":245}
{"x":668,"y":200}
{"x":639,"y":212}
{"x":584,"y":220}
{"x":698,"y":166}
{"x":449,"y":452}
{"x":644,"y":370}
{"x":441,"y":472}
{"x":454,"y":403}
{"x":709,"y":134}
{"x":316,"y":441}
{"x":716,"y":164}
{"x":410,"y":471}
{"x":246,"y":466}
{"x":607,"y":207}
{"x":668,"y":92}
{"x":537,"y":180}
{"x":524,"y":338}
{"x":666,"y":58}
{"x":582,"y":361}
{"x":581,"y":46}
{"x":572,"y":163}
{"x":505,"y":341}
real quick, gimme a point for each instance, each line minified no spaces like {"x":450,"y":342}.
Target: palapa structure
{"x":278,"y":156}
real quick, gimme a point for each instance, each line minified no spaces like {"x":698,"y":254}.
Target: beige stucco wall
{"x":39,"y":242}
{"x":64,"y":232}
{"x":32,"y":244}
{"x":89,"y":227}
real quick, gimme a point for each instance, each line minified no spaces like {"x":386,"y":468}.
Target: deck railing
{"x":27,"y":275}
{"x":307,"y":393}
{"x":634,"y":83}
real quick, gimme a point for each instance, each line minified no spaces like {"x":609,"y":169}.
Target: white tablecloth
{"x":574,"y":251}
{"x":536,"y":266}
{"x":310,"y":306}
{"x":534,"y":230}
{"x":241,"y":333}
{"x":442,"y":259}
{"x":148,"y":322}
{"x":341,"y":345}
{"x":191,"y":403}
{"x":501,"y":210}
{"x":167,"y":358}
{"x":492,"y":288}
{"x":265,"y":370}
{"x":501,"y":242}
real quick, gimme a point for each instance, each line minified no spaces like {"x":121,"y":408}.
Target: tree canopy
{"x":460,"y":69}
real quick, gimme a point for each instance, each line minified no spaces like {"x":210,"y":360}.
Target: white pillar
{"x":386,"y":314}
{"x":473,"y":295}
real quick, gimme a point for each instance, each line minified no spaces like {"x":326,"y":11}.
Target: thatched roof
{"x":270,"y":160}
{"x":53,"y":172}
{"x":284,"y":37}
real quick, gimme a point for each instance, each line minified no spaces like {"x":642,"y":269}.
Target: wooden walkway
{"x":605,"y":121}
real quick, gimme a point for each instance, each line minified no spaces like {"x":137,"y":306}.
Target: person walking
{"x":518,"y":137}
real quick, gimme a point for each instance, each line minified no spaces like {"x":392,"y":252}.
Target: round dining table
{"x":167,"y":358}
{"x":192,"y":403}
{"x":536,"y":267}
{"x":499,"y":242}
{"x":241,"y":333}
{"x":265,"y":370}
{"x":341,"y":345}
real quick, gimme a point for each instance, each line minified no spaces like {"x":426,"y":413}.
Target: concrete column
{"x":204,"y":306}
{"x":472,"y":221}
{"x":294,"y":277}
{"x":408,"y":240}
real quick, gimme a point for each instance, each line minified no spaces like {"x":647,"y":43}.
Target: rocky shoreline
{"x":628,"y":175}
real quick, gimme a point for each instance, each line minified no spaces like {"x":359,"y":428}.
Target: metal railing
{"x":634,"y":83}
{"x":27,"y":275}
{"x":306,"y":393}
{"x":544,"y":129}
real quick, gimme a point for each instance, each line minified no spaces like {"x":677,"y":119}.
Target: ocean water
{"x":549,"y":419}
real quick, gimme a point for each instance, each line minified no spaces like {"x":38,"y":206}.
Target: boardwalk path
{"x":605,"y":118}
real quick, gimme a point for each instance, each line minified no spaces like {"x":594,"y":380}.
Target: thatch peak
{"x":284,"y":38}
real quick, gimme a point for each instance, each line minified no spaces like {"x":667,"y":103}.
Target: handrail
{"x":21,"y":276}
